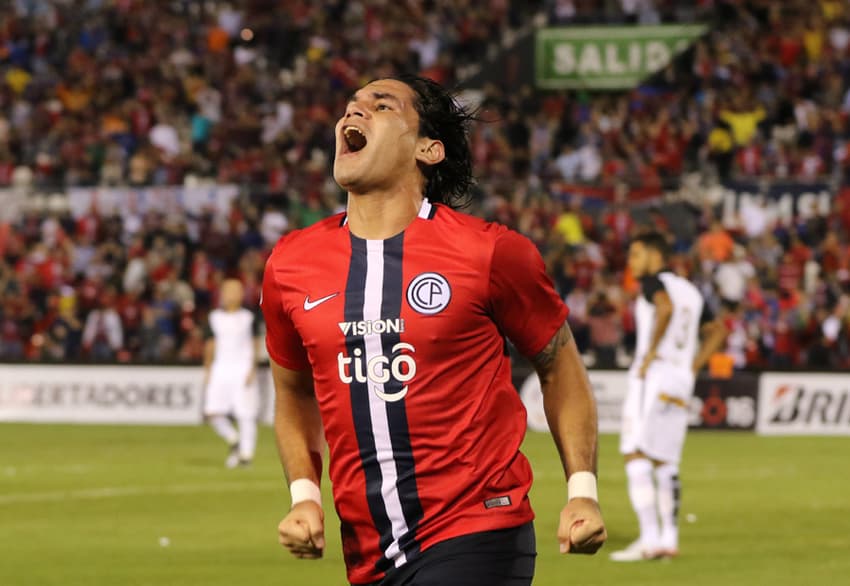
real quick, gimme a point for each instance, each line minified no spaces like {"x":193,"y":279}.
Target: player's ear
{"x":430,"y":151}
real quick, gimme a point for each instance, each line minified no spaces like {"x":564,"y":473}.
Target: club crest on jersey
{"x":429,"y":293}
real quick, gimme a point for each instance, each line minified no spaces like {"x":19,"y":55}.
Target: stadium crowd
{"x":149,"y":93}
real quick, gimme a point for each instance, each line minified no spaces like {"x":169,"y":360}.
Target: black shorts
{"x":495,"y":558}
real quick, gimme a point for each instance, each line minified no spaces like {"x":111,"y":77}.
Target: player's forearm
{"x":255,"y":362}
{"x":298,"y":431}
{"x":209,"y":352}
{"x":569,"y":405}
{"x":662,"y":320}
{"x":712,"y":343}
{"x":298,"y":427}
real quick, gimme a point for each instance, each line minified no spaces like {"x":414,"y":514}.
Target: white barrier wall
{"x":107,"y":394}
{"x":709,"y":408}
{"x":780,"y":403}
{"x":804,"y":404}
{"x":101,"y":394}
{"x":609,"y":387}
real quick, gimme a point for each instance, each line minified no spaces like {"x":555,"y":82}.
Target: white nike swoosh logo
{"x":308,"y":305}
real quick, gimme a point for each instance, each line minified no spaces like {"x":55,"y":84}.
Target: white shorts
{"x":655,"y":412}
{"x":227,"y":394}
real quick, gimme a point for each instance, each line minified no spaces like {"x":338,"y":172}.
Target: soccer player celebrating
{"x":230,"y":366}
{"x":671,"y":315}
{"x":386,"y":330}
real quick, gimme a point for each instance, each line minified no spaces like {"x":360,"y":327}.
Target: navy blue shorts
{"x":495,"y":558}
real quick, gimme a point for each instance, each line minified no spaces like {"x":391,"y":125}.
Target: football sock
{"x":642,"y":494}
{"x":669,"y":499}
{"x":224,"y":428}
{"x":247,"y":437}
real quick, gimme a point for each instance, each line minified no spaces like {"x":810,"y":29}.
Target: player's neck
{"x":382,"y":214}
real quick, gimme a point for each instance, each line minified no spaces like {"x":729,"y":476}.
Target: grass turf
{"x":154,"y":506}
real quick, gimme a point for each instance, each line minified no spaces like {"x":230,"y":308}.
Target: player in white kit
{"x":230,"y":366}
{"x":671,"y":317}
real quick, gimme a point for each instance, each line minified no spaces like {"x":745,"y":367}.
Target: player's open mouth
{"x":354,"y":139}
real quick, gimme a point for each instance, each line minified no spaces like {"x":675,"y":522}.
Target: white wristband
{"x":305,"y":489}
{"x":582,"y":485}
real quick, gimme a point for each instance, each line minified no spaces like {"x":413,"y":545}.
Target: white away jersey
{"x":234,"y":333}
{"x":680,"y":343}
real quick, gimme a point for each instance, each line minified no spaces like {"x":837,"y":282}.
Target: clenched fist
{"x":302,"y":531}
{"x":581,"y":529}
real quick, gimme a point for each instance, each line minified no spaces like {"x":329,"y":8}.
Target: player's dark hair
{"x":442,"y":118}
{"x":655,"y":241}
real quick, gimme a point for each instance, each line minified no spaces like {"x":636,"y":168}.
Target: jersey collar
{"x":426,"y":212}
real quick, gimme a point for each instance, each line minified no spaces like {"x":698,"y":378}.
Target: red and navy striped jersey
{"x":406,"y":341}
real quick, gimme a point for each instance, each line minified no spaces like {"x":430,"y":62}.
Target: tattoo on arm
{"x":545,"y":358}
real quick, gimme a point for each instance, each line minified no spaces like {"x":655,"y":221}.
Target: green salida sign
{"x":617,"y":57}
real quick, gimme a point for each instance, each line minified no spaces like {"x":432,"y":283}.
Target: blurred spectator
{"x":578,"y":301}
{"x":743,"y":120}
{"x":192,"y":349}
{"x":606,"y":333}
{"x":715,"y":246}
{"x":103,"y":335}
{"x":569,"y":224}
{"x":731,"y":278}
{"x":721,"y":149}
{"x":64,"y":336}
{"x":11,"y":342}
{"x":273,"y":225}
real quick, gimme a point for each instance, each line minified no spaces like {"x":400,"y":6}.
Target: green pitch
{"x":154,"y":506}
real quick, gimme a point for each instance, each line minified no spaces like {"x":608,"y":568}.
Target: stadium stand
{"x":128,"y":94}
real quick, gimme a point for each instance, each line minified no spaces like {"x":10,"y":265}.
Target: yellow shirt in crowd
{"x":813,"y":43}
{"x":832,"y":9}
{"x":719,"y":140}
{"x":744,"y":124}
{"x":569,"y":227}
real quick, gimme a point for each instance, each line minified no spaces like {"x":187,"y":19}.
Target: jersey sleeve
{"x":649,"y":286}
{"x":282,"y":339}
{"x":256,"y":322}
{"x":523,"y":300}
{"x":707,"y":314}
